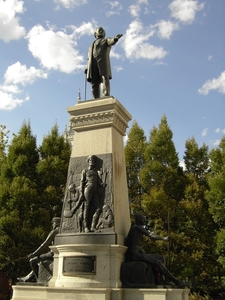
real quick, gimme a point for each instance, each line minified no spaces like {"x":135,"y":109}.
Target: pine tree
{"x":134,"y":156}
{"x":163,"y":182}
{"x":31,"y":182}
{"x":162,"y":176}
{"x":194,"y":243}
{"x":216,"y":196}
{"x":3,"y":142}
{"x":18,"y":199}
{"x":52,"y":170}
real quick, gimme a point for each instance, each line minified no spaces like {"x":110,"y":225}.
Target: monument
{"x":90,"y":247}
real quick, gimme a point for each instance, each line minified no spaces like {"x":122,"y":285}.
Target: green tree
{"x":30,"y":188}
{"x":52,"y":170}
{"x":3,"y":142}
{"x":135,"y":161}
{"x":194,"y":244}
{"x":163,"y":183}
{"x":18,"y":199}
{"x":216,"y":196}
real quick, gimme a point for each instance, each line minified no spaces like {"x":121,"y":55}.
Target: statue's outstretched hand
{"x":118,"y":36}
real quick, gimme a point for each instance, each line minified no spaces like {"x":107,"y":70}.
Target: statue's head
{"x":56,"y":222}
{"x":105,"y":207}
{"x":72,"y":188}
{"x":139,"y":219}
{"x":99,"y":32}
{"x":91,"y":160}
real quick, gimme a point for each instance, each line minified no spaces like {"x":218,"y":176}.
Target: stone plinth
{"x":104,"y":274}
{"x":49,"y":293}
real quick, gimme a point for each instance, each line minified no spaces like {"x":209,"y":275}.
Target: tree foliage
{"x":52,"y":170}
{"x":161,"y":175}
{"x":195,"y":221}
{"x":3,"y":142}
{"x":30,"y":188}
{"x":174,"y":201}
{"x":135,"y":161}
{"x":216,"y":196}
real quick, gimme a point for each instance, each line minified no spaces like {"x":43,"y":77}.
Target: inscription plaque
{"x":73,"y":265}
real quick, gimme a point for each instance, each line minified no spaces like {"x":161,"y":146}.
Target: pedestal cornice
{"x":100,"y":113}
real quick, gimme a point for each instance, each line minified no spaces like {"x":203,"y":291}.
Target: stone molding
{"x":95,"y":114}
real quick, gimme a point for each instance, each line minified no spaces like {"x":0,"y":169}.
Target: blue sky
{"x":170,"y":61}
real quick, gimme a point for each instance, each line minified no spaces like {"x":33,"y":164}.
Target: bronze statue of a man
{"x":90,"y":183}
{"x":135,"y":251}
{"x":98,"y":68}
{"x":36,"y":257}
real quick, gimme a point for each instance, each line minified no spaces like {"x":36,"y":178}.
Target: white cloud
{"x":118,"y":68}
{"x":55,"y":50}
{"x":205,"y":131}
{"x":69,"y":4}
{"x":125,"y":139}
{"x":214,"y":84}
{"x":84,"y":29}
{"x":10,"y":28}
{"x":10,"y":88}
{"x":182,"y":164}
{"x":143,"y":1}
{"x":185,"y":10}
{"x":160,"y":63}
{"x":9,"y":100}
{"x":134,"y":10}
{"x":114,"y":54}
{"x":135,"y":43}
{"x":219,"y":130}
{"x":115,"y":8}
{"x":114,"y":4}
{"x":166,"y":28}
{"x":19,"y":74}
{"x":210,"y":57}
{"x":216,"y":142}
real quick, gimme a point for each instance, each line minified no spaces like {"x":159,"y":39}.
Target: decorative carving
{"x":100,"y":120}
{"x":88,"y":195}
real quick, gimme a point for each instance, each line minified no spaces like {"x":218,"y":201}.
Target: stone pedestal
{"x":104,"y":269}
{"x":99,"y":127}
{"x":87,"y":264}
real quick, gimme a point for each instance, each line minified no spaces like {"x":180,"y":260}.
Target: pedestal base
{"x":90,"y":266}
{"x":48,"y":293}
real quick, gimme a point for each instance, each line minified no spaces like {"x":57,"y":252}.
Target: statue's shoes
{"x":182,"y":283}
{"x":21,"y":279}
{"x":86,"y":229}
{"x":29,"y":278}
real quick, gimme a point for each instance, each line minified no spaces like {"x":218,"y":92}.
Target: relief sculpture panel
{"x":88,"y":200}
